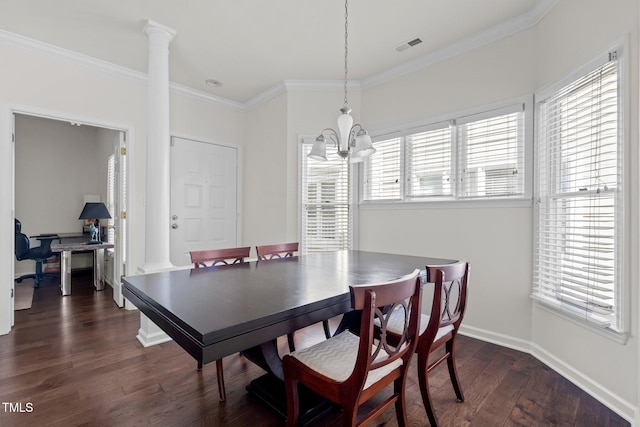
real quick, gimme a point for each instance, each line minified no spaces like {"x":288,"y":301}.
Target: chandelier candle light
{"x":351,"y":140}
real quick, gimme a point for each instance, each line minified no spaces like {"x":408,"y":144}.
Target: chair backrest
{"x":21,"y":242}
{"x":449,"y":297}
{"x":212,"y":257}
{"x":378,"y":302}
{"x":281,"y":250}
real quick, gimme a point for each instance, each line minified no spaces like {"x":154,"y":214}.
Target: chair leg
{"x":293,"y":410}
{"x":292,"y":346}
{"x":220,"y":374}
{"x":453,"y":370}
{"x":423,"y":380}
{"x":327,"y":331}
{"x":399,"y":387}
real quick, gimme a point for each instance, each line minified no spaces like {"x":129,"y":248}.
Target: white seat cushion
{"x":396,"y":324}
{"x":336,"y":358}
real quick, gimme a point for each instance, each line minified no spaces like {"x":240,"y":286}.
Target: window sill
{"x":448,"y":204}
{"x":618,"y":337}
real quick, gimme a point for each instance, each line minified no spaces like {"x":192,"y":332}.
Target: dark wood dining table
{"x":218,"y":311}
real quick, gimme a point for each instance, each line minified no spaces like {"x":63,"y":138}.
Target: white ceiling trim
{"x":505,"y":29}
{"x":37,"y":46}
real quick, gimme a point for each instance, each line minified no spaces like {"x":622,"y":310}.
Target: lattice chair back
{"x":212,"y":257}
{"x":281,"y":250}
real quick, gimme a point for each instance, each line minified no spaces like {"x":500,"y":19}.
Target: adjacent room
{"x":475,"y":162}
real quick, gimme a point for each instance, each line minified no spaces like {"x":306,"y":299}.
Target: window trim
{"x":620,"y":335}
{"x":403,"y":129}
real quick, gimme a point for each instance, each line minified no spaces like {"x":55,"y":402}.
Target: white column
{"x":158,"y":191}
{"x":157,"y":208}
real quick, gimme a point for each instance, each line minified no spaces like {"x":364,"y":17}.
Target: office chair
{"x":39,"y":254}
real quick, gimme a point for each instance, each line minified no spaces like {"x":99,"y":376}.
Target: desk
{"x":66,"y":249}
{"x":217,"y":311}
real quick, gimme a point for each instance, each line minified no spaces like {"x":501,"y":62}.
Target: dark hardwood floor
{"x":75,"y":361}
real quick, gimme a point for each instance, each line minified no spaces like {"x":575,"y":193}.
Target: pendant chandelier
{"x":351,"y":140}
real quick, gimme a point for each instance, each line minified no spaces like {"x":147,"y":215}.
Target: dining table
{"x":218,"y":311}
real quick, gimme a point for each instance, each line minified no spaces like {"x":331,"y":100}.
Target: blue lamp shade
{"x":94,"y":210}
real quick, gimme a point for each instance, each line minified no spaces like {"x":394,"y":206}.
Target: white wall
{"x":498,"y":241}
{"x":266,"y":166}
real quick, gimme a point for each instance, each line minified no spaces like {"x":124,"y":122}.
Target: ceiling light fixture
{"x":351,"y":140}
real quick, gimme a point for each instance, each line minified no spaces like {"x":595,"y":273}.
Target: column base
{"x":149,"y":333}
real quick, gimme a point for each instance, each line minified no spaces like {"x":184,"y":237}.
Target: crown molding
{"x":203,"y":96}
{"x":519,"y":23}
{"x":36,"y":46}
{"x":109,"y":68}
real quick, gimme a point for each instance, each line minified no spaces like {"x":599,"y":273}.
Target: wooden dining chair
{"x":279,"y":251}
{"x":440,"y":327}
{"x":219,"y":257}
{"x":350,"y":369}
{"x":211,"y":257}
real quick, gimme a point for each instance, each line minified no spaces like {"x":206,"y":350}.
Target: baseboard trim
{"x":620,"y":406}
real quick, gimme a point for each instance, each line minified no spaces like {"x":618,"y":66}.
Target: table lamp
{"x":94,"y":211}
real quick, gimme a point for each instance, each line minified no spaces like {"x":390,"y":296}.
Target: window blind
{"x":491,"y":156}
{"x":428,"y":163}
{"x":110,"y":197}
{"x":382,"y":171}
{"x":579,"y":215}
{"x":327,"y":218}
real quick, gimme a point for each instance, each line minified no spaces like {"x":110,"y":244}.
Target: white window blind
{"x":579,"y":198}
{"x":111,"y":177}
{"x":491,"y":156}
{"x":383,"y":172}
{"x":428,"y":163}
{"x":326,"y":203}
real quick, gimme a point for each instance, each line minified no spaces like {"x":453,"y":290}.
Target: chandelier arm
{"x":333,"y":136}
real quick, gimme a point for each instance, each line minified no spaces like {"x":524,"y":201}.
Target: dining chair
{"x":439,"y":328}
{"x":279,"y":251}
{"x":211,"y":257}
{"x":349,"y":369}
{"x":219,"y":257}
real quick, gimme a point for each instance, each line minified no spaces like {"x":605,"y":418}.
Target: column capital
{"x":153,"y":27}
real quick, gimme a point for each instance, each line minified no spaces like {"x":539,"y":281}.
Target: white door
{"x":204,"y":194}
{"x":119,"y":218}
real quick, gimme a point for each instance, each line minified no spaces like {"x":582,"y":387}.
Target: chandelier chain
{"x":346,"y":49}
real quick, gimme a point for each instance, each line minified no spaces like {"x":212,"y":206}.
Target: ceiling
{"x":250,"y":46}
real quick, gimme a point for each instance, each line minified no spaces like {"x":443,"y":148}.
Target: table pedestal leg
{"x":65,"y":272}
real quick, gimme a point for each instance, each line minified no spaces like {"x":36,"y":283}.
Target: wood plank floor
{"x":76,"y":362}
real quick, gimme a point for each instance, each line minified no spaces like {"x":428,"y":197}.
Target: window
{"x":326,"y":203}
{"x":428,"y":163}
{"x":383,"y":171}
{"x":492,"y":156}
{"x":579,"y":198}
{"x":477,"y":156}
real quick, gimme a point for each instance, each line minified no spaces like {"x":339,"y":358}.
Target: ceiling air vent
{"x":408,"y":44}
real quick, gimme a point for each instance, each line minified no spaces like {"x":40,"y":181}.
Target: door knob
{"x":174,"y":226}
{"x":174,"y":217}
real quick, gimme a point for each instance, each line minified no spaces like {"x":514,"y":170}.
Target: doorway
{"x":57,"y":164}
